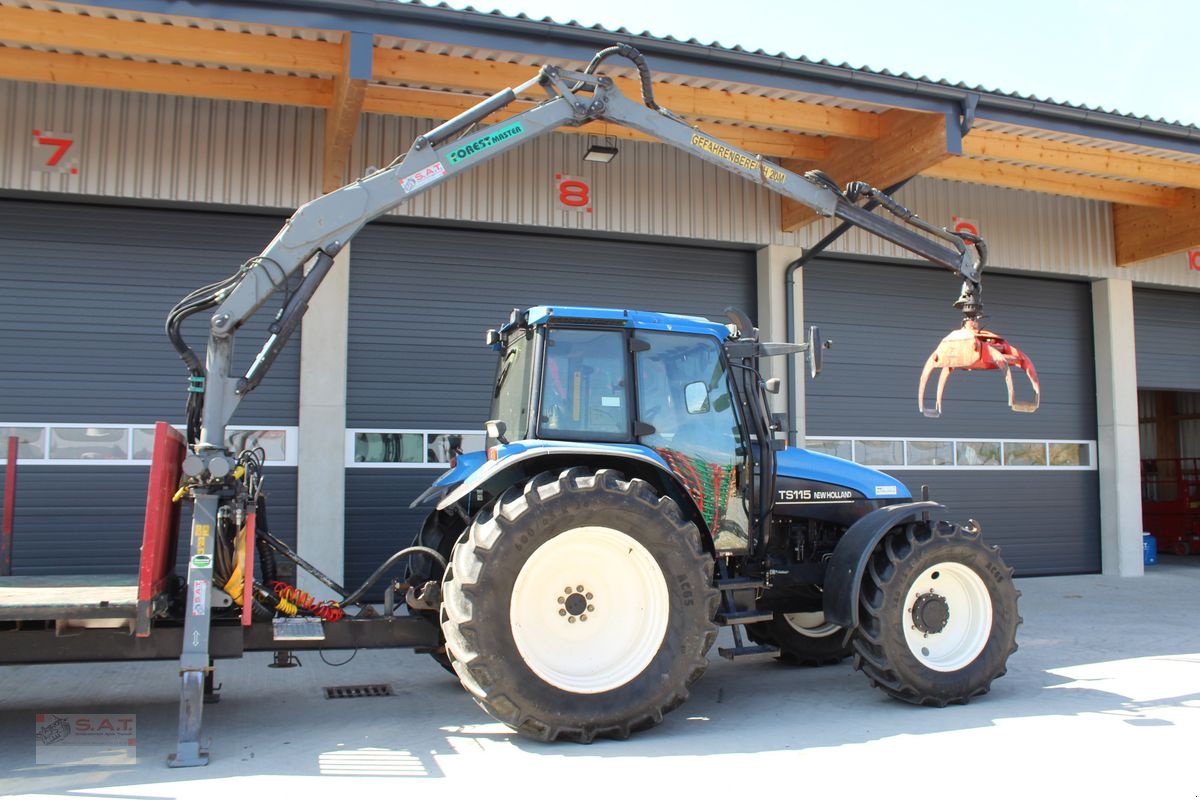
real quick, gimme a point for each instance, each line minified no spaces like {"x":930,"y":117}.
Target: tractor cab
{"x":632,"y":383}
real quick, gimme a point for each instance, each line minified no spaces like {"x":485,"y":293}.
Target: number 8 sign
{"x":574,"y":194}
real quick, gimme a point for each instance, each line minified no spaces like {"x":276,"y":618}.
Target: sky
{"x":1140,"y":58}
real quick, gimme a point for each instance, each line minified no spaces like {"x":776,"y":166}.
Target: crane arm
{"x":315,"y":233}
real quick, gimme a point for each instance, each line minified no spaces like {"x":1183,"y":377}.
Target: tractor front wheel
{"x":937,"y":615}
{"x":579,"y":606}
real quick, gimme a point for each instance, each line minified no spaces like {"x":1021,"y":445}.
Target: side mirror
{"x":493,"y":338}
{"x":496,"y":429}
{"x":816,"y":350}
{"x":695,"y":397}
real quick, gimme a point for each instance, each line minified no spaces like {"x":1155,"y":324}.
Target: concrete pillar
{"x":321,"y":483}
{"x":1117,"y":422}
{"x":773,"y":261}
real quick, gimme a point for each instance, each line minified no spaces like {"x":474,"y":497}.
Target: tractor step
{"x":739,"y":583}
{"x":744,"y":617}
{"x":747,"y":651}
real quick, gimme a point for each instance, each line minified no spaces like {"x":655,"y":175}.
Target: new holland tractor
{"x":634,"y":497}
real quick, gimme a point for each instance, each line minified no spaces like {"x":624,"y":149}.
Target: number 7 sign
{"x":50,"y":153}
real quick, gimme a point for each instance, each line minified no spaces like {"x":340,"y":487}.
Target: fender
{"x":514,"y":453}
{"x":843,"y":578}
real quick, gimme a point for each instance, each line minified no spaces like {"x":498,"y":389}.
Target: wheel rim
{"x":811,"y":624}
{"x":947,"y":616}
{"x":589,"y":610}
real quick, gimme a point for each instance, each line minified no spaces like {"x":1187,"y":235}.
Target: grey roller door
{"x":84,"y":292}
{"x":885,"y":320}
{"x":1167,"y":330}
{"x":420,"y":302}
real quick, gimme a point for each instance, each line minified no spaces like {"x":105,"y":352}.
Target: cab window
{"x":584,"y":386}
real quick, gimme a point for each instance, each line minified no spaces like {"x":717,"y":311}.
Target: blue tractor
{"x":634,"y":498}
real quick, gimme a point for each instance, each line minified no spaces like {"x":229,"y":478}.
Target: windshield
{"x":510,"y":395}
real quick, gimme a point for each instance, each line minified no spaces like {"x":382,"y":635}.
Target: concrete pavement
{"x":1103,"y":698}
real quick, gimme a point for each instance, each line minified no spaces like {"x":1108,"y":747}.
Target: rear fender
{"x":843,"y":578}
{"x":521,"y":461}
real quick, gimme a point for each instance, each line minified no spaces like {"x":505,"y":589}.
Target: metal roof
{"x":883,"y":73}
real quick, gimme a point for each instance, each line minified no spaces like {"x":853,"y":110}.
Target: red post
{"x":10,"y":496}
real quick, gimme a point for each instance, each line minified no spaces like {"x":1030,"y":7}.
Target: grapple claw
{"x":971,"y":348}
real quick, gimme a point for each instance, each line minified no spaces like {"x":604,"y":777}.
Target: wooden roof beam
{"x":63,"y":31}
{"x":444,"y":105}
{"x":1141,"y":233}
{"x":1042,"y":152}
{"x":909,"y":143}
{"x":169,"y":79}
{"x":443,"y":71}
{"x":341,"y":118}
{"x":1034,"y":179}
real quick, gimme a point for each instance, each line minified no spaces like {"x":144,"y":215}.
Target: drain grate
{"x":351,"y":692}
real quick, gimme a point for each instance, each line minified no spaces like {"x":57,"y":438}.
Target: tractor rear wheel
{"x":803,"y":637}
{"x":579,"y":606}
{"x":937,"y":615}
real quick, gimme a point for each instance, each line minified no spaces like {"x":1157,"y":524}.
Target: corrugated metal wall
{"x":158,"y":147}
{"x":199,"y":151}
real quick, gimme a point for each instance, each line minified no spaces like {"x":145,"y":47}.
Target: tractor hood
{"x":795,"y":462}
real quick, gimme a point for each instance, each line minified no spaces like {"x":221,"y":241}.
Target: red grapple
{"x":972,"y":348}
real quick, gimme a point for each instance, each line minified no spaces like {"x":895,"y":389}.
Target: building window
{"x":124,"y":445}
{"x":896,"y":453}
{"x":398,"y":449}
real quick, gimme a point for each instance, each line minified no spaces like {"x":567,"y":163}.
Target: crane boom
{"x":320,"y":228}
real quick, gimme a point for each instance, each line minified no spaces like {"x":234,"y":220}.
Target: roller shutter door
{"x":84,"y":293}
{"x":885,"y":320}
{"x":420,"y":302}
{"x":1167,"y":339}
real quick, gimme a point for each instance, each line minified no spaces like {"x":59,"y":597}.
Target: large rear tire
{"x":937,"y":615}
{"x":579,"y":606}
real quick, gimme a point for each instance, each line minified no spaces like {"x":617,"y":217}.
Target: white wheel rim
{"x":599,"y":637}
{"x":811,"y":624}
{"x":968,"y":624}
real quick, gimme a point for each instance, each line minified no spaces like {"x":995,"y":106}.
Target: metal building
{"x":148,"y":152}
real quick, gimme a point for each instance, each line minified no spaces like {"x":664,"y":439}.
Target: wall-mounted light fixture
{"x":601,"y":149}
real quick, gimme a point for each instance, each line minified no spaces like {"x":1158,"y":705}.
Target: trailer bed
{"x":38,"y":597}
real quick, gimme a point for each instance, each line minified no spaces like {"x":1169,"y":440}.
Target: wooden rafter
{"x":341,"y":118}
{"x":176,"y":42}
{"x":1029,"y":150}
{"x":1034,"y":179}
{"x":169,"y":79}
{"x":909,"y":143}
{"x":432,"y":70}
{"x":1141,"y":233}
{"x":444,"y":105}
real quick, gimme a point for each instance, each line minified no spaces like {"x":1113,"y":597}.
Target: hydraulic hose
{"x":387,"y":565}
{"x":633,"y":54}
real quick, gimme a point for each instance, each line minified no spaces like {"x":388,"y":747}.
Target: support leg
{"x":194,"y":661}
